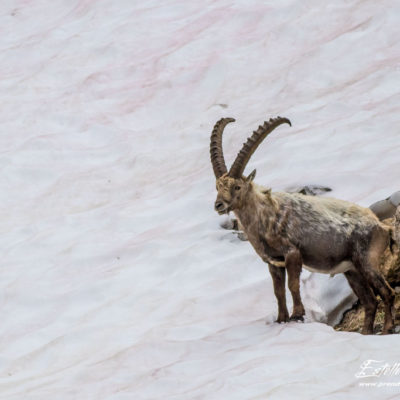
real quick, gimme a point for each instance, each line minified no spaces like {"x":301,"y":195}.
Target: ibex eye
{"x":237,"y":187}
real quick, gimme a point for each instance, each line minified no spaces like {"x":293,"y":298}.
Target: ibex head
{"x":232,"y":186}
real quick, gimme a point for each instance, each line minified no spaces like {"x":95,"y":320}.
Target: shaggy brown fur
{"x":290,"y":230}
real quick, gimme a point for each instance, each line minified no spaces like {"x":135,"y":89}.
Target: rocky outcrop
{"x":386,"y":208}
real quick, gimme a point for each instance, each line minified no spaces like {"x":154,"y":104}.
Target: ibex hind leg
{"x":368,"y":267}
{"x":367,"y":260}
{"x":367,"y":299}
{"x":386,"y":293}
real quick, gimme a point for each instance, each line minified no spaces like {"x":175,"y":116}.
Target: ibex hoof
{"x":297,"y":318}
{"x":282,"y":319}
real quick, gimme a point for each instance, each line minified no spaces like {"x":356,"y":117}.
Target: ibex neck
{"x":256,"y":202}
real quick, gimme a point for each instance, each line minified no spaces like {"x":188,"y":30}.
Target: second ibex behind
{"x":289,"y":231}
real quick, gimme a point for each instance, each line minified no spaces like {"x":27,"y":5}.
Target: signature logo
{"x":377,"y":368}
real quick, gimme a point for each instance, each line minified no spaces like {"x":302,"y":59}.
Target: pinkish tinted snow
{"x":117,"y":281}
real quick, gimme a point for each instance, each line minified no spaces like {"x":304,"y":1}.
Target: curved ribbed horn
{"x":252,"y":143}
{"x":216,"y":153}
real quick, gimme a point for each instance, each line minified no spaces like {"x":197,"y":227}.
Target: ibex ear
{"x":251,"y":176}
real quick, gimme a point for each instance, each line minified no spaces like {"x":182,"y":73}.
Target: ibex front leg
{"x":293,"y":264}
{"x":278,"y":279}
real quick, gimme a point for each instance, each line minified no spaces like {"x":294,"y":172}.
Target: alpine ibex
{"x":291,"y":230}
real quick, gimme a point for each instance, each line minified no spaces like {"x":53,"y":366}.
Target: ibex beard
{"x":289,"y":231}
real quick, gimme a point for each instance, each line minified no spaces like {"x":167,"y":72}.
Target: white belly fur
{"x":337,"y":269}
